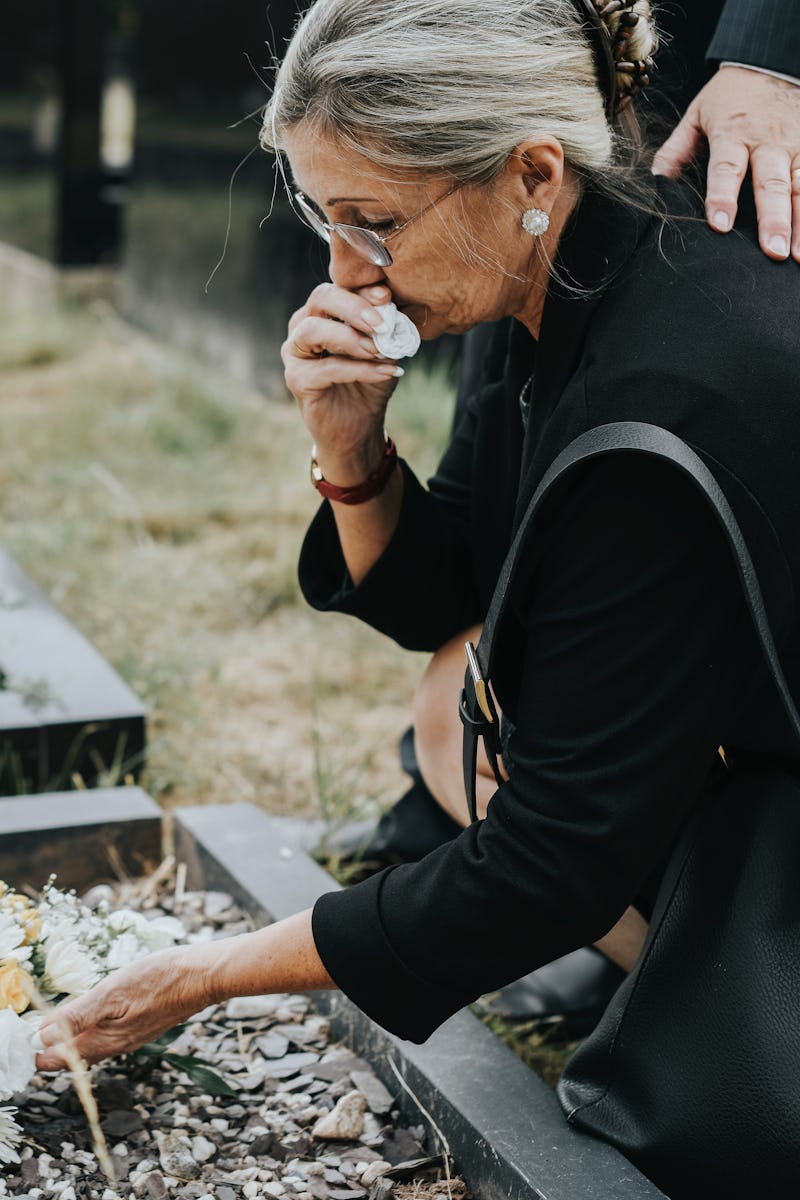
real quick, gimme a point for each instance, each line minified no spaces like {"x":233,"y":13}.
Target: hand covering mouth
{"x":398,"y":336}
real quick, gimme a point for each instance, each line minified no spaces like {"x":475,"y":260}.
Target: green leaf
{"x":170,"y":1036}
{"x":148,"y":1050}
{"x":201,"y":1074}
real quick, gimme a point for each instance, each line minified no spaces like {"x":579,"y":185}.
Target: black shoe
{"x":575,"y":989}
{"x":409,"y":830}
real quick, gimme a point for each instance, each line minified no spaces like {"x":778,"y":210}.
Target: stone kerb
{"x":503,"y":1124}
{"x":63,"y":708}
{"x":81,"y":837}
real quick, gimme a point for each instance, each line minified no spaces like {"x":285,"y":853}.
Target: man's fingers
{"x":796,"y":209}
{"x":727,"y":167}
{"x":771,"y":167}
{"x":680,"y":148}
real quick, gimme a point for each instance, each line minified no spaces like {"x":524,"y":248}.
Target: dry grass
{"x":543,"y":1046}
{"x":162,"y":509}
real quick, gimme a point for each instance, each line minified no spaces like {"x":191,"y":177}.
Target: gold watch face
{"x":315,"y":469}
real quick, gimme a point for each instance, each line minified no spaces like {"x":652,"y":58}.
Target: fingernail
{"x":377,"y":293}
{"x":721,"y":221}
{"x":392,"y":372}
{"x":779,"y":245}
{"x":371,"y":317}
{"x":368,"y":346}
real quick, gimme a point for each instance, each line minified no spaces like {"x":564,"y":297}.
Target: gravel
{"x":310,"y":1120}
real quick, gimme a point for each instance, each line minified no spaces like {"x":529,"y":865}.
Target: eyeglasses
{"x":366,"y":242}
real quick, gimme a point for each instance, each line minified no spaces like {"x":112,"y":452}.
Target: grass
{"x":162,"y":509}
{"x":543,"y":1046}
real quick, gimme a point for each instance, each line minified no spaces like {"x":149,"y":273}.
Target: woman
{"x":474,"y":140}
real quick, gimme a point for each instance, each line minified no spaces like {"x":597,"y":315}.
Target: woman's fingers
{"x":308,"y":376}
{"x":328,"y":300}
{"x":315,"y":337}
{"x":130,"y":1007}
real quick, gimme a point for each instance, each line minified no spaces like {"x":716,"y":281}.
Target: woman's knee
{"x":436,"y":699}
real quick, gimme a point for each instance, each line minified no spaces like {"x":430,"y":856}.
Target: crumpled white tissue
{"x":398,"y":336}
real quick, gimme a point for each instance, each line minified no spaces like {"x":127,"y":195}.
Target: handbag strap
{"x":477,"y":709}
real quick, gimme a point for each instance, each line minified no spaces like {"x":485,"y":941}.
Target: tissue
{"x":398,"y":336}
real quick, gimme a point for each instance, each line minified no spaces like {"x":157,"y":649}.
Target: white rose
{"x":68,"y":968}
{"x":17,"y":1055}
{"x":12,"y":935}
{"x":158,"y":934}
{"x":125,"y":919}
{"x":124,"y":949}
{"x":163,"y":932}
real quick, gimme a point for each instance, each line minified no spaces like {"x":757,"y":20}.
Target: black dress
{"x":629,"y":658}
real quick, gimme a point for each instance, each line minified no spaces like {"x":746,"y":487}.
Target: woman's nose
{"x":347,"y":269}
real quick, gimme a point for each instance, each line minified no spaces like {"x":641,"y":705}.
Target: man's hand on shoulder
{"x":749,"y":118}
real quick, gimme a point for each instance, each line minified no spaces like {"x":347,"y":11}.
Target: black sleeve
{"x":634,"y":650}
{"x":761,"y":33}
{"x":421,"y":591}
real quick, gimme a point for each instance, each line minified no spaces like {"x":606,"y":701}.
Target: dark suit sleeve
{"x":761,"y":33}
{"x":634,"y":651}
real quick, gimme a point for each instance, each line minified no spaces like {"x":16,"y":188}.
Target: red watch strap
{"x":373,"y":485}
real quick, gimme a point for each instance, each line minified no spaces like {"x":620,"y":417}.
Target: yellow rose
{"x":15,"y":987}
{"x":31,"y":922}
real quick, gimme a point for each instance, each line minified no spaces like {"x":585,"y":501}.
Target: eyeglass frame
{"x":383,"y":257}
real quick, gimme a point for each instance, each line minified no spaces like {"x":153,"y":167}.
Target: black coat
{"x":629,"y":656}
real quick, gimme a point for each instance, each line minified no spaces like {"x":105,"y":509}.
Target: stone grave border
{"x":503,"y":1124}
{"x":88,"y":717}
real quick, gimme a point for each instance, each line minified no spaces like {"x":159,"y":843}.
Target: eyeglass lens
{"x":363,"y":241}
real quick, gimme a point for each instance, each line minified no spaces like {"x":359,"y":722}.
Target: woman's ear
{"x":535,"y":171}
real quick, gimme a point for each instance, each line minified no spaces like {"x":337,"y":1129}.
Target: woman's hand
{"x":130,"y":1007}
{"x":749,"y":119}
{"x":136,"y":1004}
{"x":339,"y":379}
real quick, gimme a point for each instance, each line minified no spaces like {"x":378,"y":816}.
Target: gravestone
{"x":65,"y":714}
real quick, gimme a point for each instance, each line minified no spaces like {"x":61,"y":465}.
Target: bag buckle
{"x":479,"y":683}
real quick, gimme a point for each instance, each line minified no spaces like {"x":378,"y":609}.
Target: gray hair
{"x":451,"y":87}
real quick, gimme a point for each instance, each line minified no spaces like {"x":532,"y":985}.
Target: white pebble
{"x":203,"y":1149}
{"x":274,"y":1189}
{"x":374,"y":1171}
{"x":251,"y":1190}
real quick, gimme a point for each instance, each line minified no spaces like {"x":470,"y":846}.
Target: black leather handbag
{"x":694,"y":1070}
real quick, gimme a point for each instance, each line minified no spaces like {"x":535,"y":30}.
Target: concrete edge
{"x":503,"y":1124}
{"x":81,"y":836}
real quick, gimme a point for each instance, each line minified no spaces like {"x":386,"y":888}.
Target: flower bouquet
{"x":51,"y":949}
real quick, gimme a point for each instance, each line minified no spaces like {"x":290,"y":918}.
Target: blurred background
{"x":154,"y":474}
{"x":127,"y":128}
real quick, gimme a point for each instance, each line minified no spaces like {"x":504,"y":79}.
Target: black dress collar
{"x":599,"y":240}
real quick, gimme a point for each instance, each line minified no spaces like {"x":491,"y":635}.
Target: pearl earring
{"x":535,"y":221}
